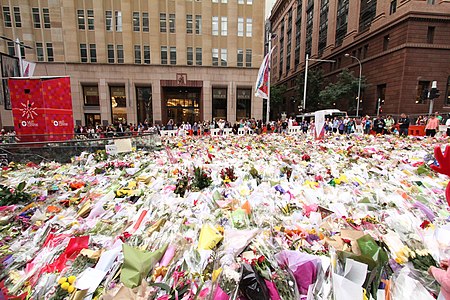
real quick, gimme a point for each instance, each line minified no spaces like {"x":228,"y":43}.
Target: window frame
{"x":17,"y":17}
{"x":83,"y":53}
{"x":137,"y":54}
{"x":81,"y":21}
{"x":7,"y":19}
{"x":50,"y":54}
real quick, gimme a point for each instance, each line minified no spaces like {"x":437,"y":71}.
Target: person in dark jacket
{"x":403,"y":123}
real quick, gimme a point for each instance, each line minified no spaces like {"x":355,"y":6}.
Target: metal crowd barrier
{"x":63,"y":151}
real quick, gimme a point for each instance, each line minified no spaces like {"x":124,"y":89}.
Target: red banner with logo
{"x":42,"y":109}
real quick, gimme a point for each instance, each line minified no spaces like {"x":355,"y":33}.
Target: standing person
{"x":378,"y":125}
{"x":389,"y":122}
{"x":367,"y":125}
{"x":403,"y":123}
{"x":432,"y":126}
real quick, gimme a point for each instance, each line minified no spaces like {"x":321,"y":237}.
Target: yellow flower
{"x":215,"y":274}
{"x":62,"y":280}
{"x":65,"y":285}
{"x":71,"y":288}
{"x":71,"y":279}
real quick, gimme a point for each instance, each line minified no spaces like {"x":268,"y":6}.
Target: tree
{"x":345,"y":90}
{"x":314,"y":87}
{"x":276,"y":99}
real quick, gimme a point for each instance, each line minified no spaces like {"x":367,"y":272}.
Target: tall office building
{"x":403,"y":46}
{"x":131,"y":61}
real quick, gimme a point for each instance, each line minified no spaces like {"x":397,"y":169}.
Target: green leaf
{"x":161,"y":285}
{"x":21,"y":186}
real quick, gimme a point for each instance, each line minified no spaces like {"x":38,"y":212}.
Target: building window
{"x":240,"y":26}
{"x":393,"y":7}
{"x":215,"y":1}
{"x":341,"y":20}
{"x":147,"y":55}
{"x":91,"y":96}
{"x":46,"y":16}
{"x":93,"y":53}
{"x":92,"y":120}
{"x":118,"y":104}
{"x":137,"y":54}
{"x":224,"y":1}
{"x":365,"y":51}
{"x":249,"y":28}
{"x":386,"y":42}
{"x":50,"y":52}
{"x":108,"y":20}
{"x":17,"y":18}
{"x":40,"y":51}
{"x":198,"y":24}
{"x":144,"y":105}
{"x":215,"y":57}
{"x":241,"y":2}
{"x":110,"y":54}
{"x":162,"y":22}
{"x":447,"y":92}
{"x":11,"y":49}
{"x":323,"y":26}
{"x":81,"y":20}
{"x":240,"y":58}
{"x":224,"y":26}
{"x":430,"y":34}
{"x":173,"y":55}
{"x":223,"y":57}
{"x":198,"y":56}
{"x":215,"y":25}
{"x":83,"y":53}
{"x":219,"y":103}
{"x":298,"y":23}
{"x":431,"y":2}
{"x":243,"y":104}
{"x":367,"y":12}
{"x":163,"y":55}
{"x":249,"y":2}
{"x":118,"y":20}
{"x":90,"y":19}
{"x":172,"y":23}
{"x":190,"y":56}
{"x":248,"y":58}
{"x":120,"y":59}
{"x":7,"y":16}
{"x":422,"y":86}
{"x":145,"y":22}
{"x":189,"y":24}
{"x":36,"y":17}
{"x":136,"y":21}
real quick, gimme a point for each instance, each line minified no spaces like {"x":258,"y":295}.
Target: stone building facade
{"x":403,"y":46}
{"x":132,"y":61}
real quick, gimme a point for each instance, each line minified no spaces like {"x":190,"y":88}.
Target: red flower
{"x":306,"y":157}
{"x":318,"y":178}
{"x":347,"y":241}
{"x":425,"y":224}
{"x":261,"y":259}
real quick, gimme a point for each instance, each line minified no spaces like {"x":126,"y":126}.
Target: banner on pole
{"x":262,"y":82}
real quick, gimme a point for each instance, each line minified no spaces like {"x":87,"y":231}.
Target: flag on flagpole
{"x":262,"y":82}
{"x":28,"y":68}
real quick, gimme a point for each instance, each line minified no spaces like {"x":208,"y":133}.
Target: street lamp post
{"x":306,"y":76}
{"x":359,"y":83}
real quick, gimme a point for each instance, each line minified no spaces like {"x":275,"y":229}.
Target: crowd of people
{"x":337,"y":125}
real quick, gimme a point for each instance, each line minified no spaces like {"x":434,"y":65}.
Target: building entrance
{"x":182,"y":104}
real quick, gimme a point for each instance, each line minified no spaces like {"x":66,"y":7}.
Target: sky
{"x":269,"y":4}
